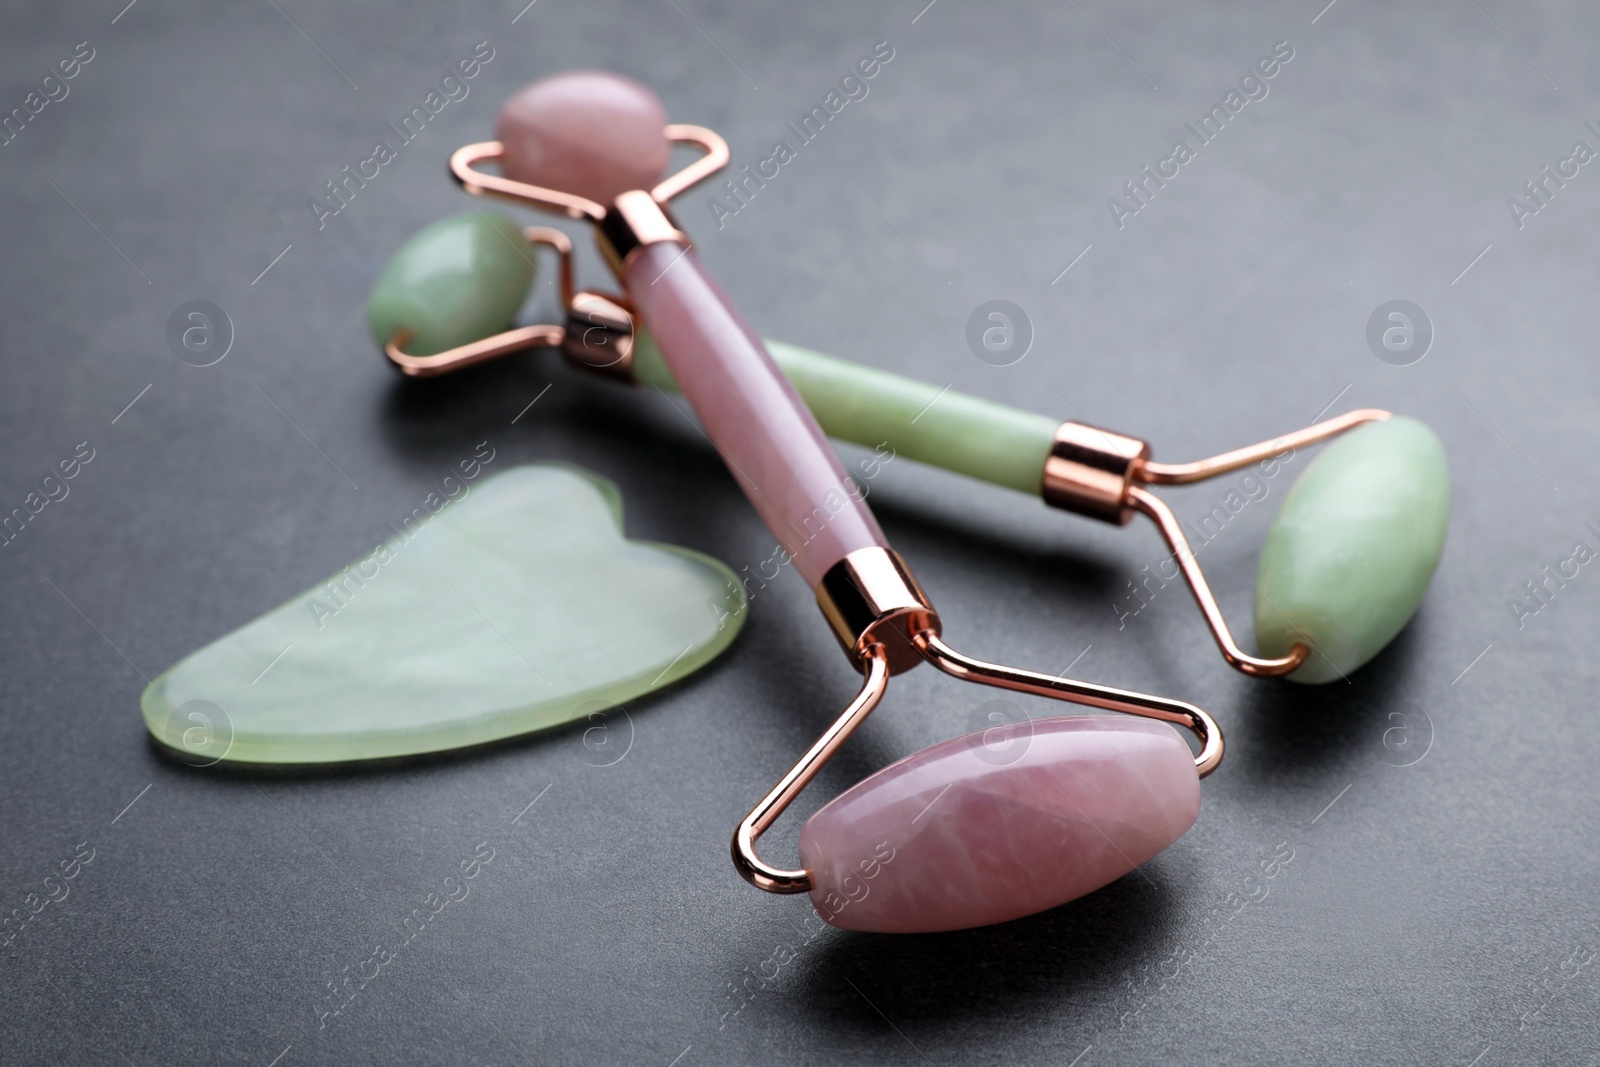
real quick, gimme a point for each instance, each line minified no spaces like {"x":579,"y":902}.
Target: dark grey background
{"x":1437,"y":912}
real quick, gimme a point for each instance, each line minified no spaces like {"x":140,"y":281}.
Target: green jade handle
{"x":874,"y":408}
{"x":1343,"y":580}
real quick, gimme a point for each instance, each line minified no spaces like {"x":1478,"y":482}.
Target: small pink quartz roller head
{"x":969,"y":832}
{"x":586,"y":132}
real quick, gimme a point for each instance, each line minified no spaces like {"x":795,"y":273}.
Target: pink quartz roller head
{"x":585,"y":132}
{"x":992,"y":839}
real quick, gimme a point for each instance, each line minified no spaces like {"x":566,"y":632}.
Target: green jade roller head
{"x":1345,"y":564}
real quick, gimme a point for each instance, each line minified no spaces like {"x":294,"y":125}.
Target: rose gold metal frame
{"x":1103,"y":475}
{"x":1129,"y":702}
{"x":756,"y":871}
{"x":1200,"y":470}
{"x":464,"y":161}
{"x":873,"y":593}
{"x":454,"y":359}
{"x":633,"y":221}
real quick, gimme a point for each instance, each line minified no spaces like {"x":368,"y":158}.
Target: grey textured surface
{"x":1440,"y":911}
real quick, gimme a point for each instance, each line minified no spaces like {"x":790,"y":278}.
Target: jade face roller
{"x":1346,"y":562}
{"x":972,"y":831}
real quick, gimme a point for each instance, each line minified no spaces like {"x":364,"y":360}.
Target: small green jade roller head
{"x":1345,"y":564}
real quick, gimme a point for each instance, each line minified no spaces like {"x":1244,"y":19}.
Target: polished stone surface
{"x":453,"y":282}
{"x":1350,"y":554}
{"x":752,"y":415}
{"x":508,"y":605}
{"x":588,"y":132}
{"x":1000,"y":823}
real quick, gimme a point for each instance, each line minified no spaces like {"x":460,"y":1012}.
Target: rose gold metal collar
{"x":1103,"y":475}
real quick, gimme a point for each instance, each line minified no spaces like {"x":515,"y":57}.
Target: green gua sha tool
{"x":517,"y":607}
{"x":1346,"y":562}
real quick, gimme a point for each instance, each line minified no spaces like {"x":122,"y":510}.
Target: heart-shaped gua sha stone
{"x":517,"y":607}
{"x":585,"y":132}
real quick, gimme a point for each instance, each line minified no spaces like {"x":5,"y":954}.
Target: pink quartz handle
{"x":764,"y":432}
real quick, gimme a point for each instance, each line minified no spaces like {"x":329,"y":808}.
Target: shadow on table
{"x":1082,"y":953}
{"x":1289,"y":731}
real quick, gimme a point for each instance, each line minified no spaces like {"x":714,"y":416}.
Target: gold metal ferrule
{"x":635,"y":221}
{"x":871,"y":597}
{"x":1089,"y":471}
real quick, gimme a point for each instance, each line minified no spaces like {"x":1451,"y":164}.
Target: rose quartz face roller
{"x":975,"y":830}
